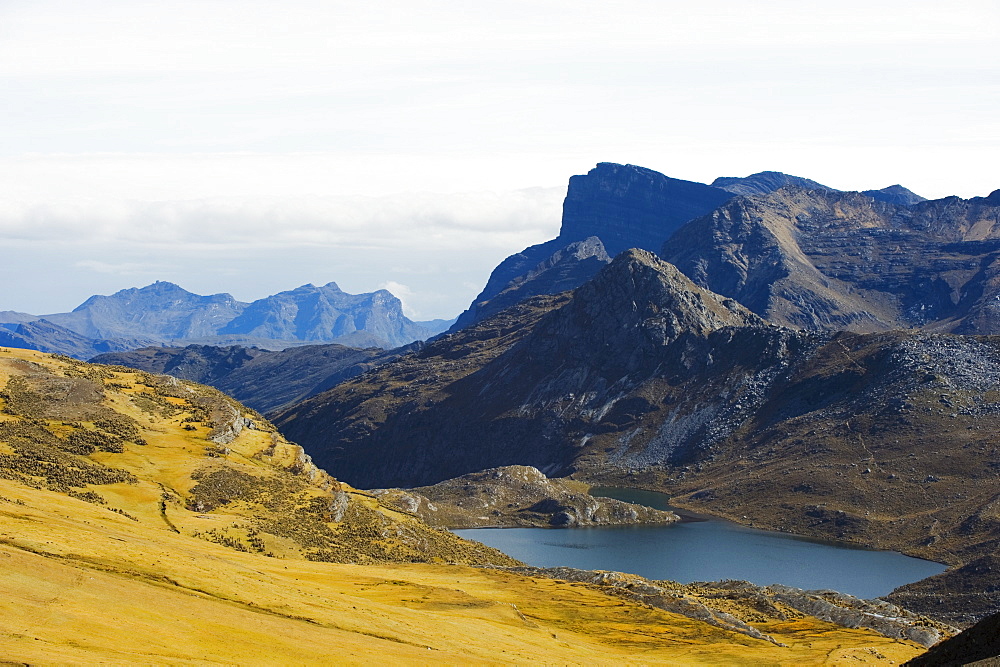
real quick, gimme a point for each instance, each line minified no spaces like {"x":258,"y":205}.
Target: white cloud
{"x":416,"y":221}
{"x":249,"y":146}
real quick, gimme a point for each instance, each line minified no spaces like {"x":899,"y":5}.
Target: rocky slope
{"x":624,"y":206}
{"x":516,"y":496}
{"x":978,"y":645}
{"x":567,"y":268}
{"x":144,"y":519}
{"x":265,"y":380}
{"x":820,"y":259}
{"x":641,"y":378}
{"x":496,"y":394}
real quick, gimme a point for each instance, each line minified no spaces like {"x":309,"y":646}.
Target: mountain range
{"x":641,"y":377}
{"x":166,"y":313}
{"x":794,"y":251}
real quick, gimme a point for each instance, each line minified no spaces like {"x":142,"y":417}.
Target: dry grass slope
{"x":148,"y":521}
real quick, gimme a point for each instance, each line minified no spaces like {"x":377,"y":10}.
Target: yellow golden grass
{"x":80,"y":584}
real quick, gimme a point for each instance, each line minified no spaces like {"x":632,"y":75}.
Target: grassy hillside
{"x":151,"y":521}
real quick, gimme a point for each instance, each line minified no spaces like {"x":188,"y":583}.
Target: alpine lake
{"x":700,"y":548}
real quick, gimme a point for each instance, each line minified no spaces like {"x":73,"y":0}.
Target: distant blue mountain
{"x":164,"y":313}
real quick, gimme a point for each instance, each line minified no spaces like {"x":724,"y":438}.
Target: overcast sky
{"x":251,"y":147}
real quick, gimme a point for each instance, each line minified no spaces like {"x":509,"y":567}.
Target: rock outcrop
{"x":516,"y":496}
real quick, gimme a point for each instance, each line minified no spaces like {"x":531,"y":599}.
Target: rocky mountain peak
{"x":895,"y":194}
{"x":636,"y":305}
{"x":619,"y":206}
{"x":651,"y":287}
{"x":161,"y":309}
{"x":154,"y":291}
{"x":764,"y":182}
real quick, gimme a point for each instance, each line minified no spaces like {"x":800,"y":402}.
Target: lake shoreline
{"x":689,"y":515}
{"x":704,"y":547}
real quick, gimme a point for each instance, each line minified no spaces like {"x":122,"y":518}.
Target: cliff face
{"x":632,"y":207}
{"x":820,"y":259}
{"x":616,"y":206}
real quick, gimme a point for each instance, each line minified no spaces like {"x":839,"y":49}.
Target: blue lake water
{"x":710,"y":550}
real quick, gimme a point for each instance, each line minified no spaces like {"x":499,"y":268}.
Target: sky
{"x":252,"y":147}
